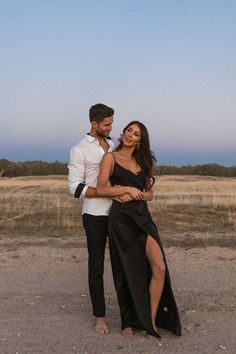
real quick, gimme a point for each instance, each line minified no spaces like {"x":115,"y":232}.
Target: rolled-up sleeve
{"x":76,"y":176}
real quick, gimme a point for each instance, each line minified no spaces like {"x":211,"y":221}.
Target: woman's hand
{"x":135,"y":193}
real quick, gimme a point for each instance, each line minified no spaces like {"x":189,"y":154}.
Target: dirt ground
{"x":45,"y":305}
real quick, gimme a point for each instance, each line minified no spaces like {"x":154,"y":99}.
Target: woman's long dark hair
{"x":142,"y":154}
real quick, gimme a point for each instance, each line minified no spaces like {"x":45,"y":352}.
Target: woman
{"x":139,"y":267}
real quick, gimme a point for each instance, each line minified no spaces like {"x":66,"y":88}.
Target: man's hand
{"x":135,"y":193}
{"x":123,"y":198}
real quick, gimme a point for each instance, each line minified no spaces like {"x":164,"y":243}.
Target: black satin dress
{"x":129,"y":226}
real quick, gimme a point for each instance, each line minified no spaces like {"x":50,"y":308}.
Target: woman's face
{"x":132,"y":135}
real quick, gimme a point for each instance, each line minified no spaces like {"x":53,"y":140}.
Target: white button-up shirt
{"x":84,"y":168}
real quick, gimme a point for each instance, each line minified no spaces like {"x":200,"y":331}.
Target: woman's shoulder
{"x":108,"y":157}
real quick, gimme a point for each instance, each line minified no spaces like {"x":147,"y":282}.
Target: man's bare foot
{"x":128,"y":332}
{"x":101,"y":326}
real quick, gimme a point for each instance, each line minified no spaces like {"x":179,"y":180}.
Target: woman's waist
{"x":134,"y":205}
{"x":135,"y":209}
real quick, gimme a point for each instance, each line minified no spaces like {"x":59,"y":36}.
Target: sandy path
{"x":45,"y":306}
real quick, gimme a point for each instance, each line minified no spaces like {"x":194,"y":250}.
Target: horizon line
{"x":169,"y":165}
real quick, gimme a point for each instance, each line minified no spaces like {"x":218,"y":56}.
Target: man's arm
{"x":76,"y":176}
{"x":104,"y":190}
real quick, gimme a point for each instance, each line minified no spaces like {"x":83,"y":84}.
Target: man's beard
{"x":101,"y":134}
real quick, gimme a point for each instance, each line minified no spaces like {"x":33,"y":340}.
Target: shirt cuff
{"x":80,"y":190}
{"x":84,"y":191}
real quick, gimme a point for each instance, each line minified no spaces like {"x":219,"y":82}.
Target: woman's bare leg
{"x":157,"y":264}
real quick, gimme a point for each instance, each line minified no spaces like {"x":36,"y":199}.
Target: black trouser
{"x":96,"y":232}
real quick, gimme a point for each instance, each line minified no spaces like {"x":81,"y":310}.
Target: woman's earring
{"x":138,"y":146}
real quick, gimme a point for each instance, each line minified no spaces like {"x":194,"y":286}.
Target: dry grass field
{"x":188,"y":210}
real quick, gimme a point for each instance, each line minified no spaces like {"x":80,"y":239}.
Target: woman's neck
{"x":127,"y":152}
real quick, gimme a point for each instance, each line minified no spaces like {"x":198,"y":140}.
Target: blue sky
{"x":169,"y":64}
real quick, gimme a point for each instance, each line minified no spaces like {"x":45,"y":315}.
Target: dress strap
{"x":113,"y":156}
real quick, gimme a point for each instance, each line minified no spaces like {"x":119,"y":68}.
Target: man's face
{"x":103,"y":128}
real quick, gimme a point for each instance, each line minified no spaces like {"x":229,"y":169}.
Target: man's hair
{"x":100,"y":111}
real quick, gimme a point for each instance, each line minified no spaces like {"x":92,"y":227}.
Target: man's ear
{"x":93,"y":124}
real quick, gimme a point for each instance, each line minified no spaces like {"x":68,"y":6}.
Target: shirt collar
{"x":91,"y":139}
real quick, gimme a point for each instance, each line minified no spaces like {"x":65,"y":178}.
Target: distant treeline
{"x":31,"y":168}
{"x":42,"y":168}
{"x":211,"y":169}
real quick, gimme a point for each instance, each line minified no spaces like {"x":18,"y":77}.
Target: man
{"x":84,"y":168}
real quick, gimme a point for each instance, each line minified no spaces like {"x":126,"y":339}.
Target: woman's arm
{"x":106,"y":169}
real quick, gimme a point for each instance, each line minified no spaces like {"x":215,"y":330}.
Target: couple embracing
{"x":116,"y":184}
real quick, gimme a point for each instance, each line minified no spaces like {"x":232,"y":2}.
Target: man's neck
{"x":96,"y":136}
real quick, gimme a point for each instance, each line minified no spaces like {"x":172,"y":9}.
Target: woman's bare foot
{"x":156,"y":338}
{"x":101,"y":326}
{"x":128,"y":332}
